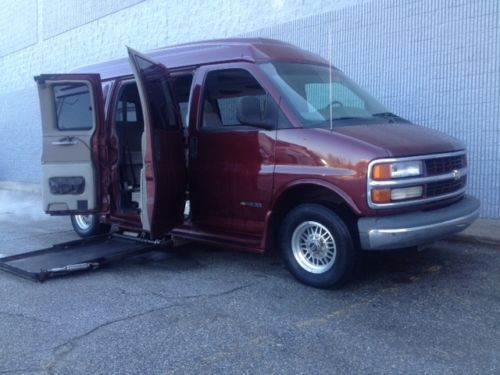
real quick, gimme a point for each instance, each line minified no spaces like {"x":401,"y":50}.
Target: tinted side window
{"x":225,"y":93}
{"x":126,"y":112}
{"x":73,"y":106}
{"x":160,"y":98}
{"x":182,"y":88}
{"x":128,"y":107}
{"x":283,"y":121}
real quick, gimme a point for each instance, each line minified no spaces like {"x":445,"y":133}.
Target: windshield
{"x":319,"y":94}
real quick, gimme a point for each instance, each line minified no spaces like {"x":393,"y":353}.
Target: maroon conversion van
{"x":252,"y":144}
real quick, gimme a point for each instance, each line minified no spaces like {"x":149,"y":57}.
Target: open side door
{"x":73,"y":150}
{"x":163,"y":176}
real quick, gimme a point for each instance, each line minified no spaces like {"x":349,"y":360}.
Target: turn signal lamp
{"x":381,"y":195}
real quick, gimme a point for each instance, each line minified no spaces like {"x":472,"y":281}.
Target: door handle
{"x":66,"y":141}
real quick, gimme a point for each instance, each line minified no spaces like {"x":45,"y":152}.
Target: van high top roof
{"x":210,"y":52}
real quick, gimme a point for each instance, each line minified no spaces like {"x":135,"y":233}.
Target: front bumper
{"x":417,"y":228}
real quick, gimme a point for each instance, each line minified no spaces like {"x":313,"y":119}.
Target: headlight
{"x":397,"y":194}
{"x":401,"y":169}
{"x":406,"y":193}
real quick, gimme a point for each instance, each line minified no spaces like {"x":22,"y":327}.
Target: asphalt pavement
{"x":201,"y":309}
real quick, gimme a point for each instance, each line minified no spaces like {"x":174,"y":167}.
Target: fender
{"x":291,"y":184}
{"x":317,"y":182}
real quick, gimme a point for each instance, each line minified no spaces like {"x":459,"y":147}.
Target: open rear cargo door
{"x":74,"y":173}
{"x":75,"y":256}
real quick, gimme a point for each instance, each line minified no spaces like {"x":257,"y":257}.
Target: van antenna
{"x":330,"y":68}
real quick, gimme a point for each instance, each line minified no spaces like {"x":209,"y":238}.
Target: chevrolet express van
{"x":271,"y":146}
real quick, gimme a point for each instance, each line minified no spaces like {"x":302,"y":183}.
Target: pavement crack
{"x":22,"y":316}
{"x":61,"y":351}
{"x":202,"y":295}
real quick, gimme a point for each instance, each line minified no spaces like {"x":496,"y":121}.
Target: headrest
{"x":249,"y":109}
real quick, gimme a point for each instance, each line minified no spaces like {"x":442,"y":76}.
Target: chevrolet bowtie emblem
{"x":457,"y":174}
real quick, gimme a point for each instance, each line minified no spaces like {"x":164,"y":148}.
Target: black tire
{"x":311,"y":229}
{"x":88,"y":225}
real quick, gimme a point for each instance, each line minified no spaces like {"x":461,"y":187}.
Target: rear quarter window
{"x":73,"y":106}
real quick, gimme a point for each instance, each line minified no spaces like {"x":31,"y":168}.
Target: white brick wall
{"x":434,"y":62}
{"x":24,"y":33}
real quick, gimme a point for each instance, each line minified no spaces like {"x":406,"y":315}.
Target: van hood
{"x":402,"y":139}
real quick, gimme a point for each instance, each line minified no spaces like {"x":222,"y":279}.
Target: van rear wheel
{"x":88,"y":225}
{"x":316,"y":246}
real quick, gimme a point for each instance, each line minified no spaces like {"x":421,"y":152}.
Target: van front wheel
{"x":316,"y":246}
{"x":88,"y":225}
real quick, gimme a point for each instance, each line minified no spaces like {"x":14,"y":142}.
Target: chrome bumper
{"x":417,"y":228}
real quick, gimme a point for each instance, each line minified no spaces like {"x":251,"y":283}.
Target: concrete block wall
{"x":436,"y":63}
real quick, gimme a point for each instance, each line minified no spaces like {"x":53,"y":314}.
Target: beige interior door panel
{"x":72,"y":114}
{"x":60,"y":148}
{"x":68,"y":201}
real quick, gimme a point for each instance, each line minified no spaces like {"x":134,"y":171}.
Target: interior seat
{"x":211,"y":118}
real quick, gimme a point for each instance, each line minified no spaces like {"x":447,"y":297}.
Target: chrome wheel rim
{"x":314,"y":247}
{"x":83,"y":221}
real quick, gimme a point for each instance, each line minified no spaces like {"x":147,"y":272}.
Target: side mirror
{"x":250,"y":112}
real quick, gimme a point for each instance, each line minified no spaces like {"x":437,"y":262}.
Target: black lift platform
{"x":76,"y":256}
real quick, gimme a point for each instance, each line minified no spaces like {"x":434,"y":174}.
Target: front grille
{"x":444,"y":165}
{"x":445,"y":176}
{"x":435,"y":189}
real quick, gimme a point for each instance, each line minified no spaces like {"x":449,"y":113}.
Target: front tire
{"x":316,"y":246}
{"x":88,"y":225}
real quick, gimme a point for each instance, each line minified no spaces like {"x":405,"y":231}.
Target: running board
{"x":245,"y":243}
{"x":77,"y":256}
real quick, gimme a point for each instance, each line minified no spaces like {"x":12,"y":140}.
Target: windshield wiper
{"x":386,"y":114}
{"x":348,"y":118}
{"x":391,"y":117}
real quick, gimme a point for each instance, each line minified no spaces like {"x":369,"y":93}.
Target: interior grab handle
{"x":66,"y":141}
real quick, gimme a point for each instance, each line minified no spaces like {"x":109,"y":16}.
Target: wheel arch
{"x":310,"y":191}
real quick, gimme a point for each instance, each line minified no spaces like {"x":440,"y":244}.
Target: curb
{"x":483,"y":231}
{"x":475,"y":239}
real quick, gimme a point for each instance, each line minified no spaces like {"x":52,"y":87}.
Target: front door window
{"x":233,"y":98}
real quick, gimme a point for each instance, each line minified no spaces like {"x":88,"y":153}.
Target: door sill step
{"x":241,"y":242}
